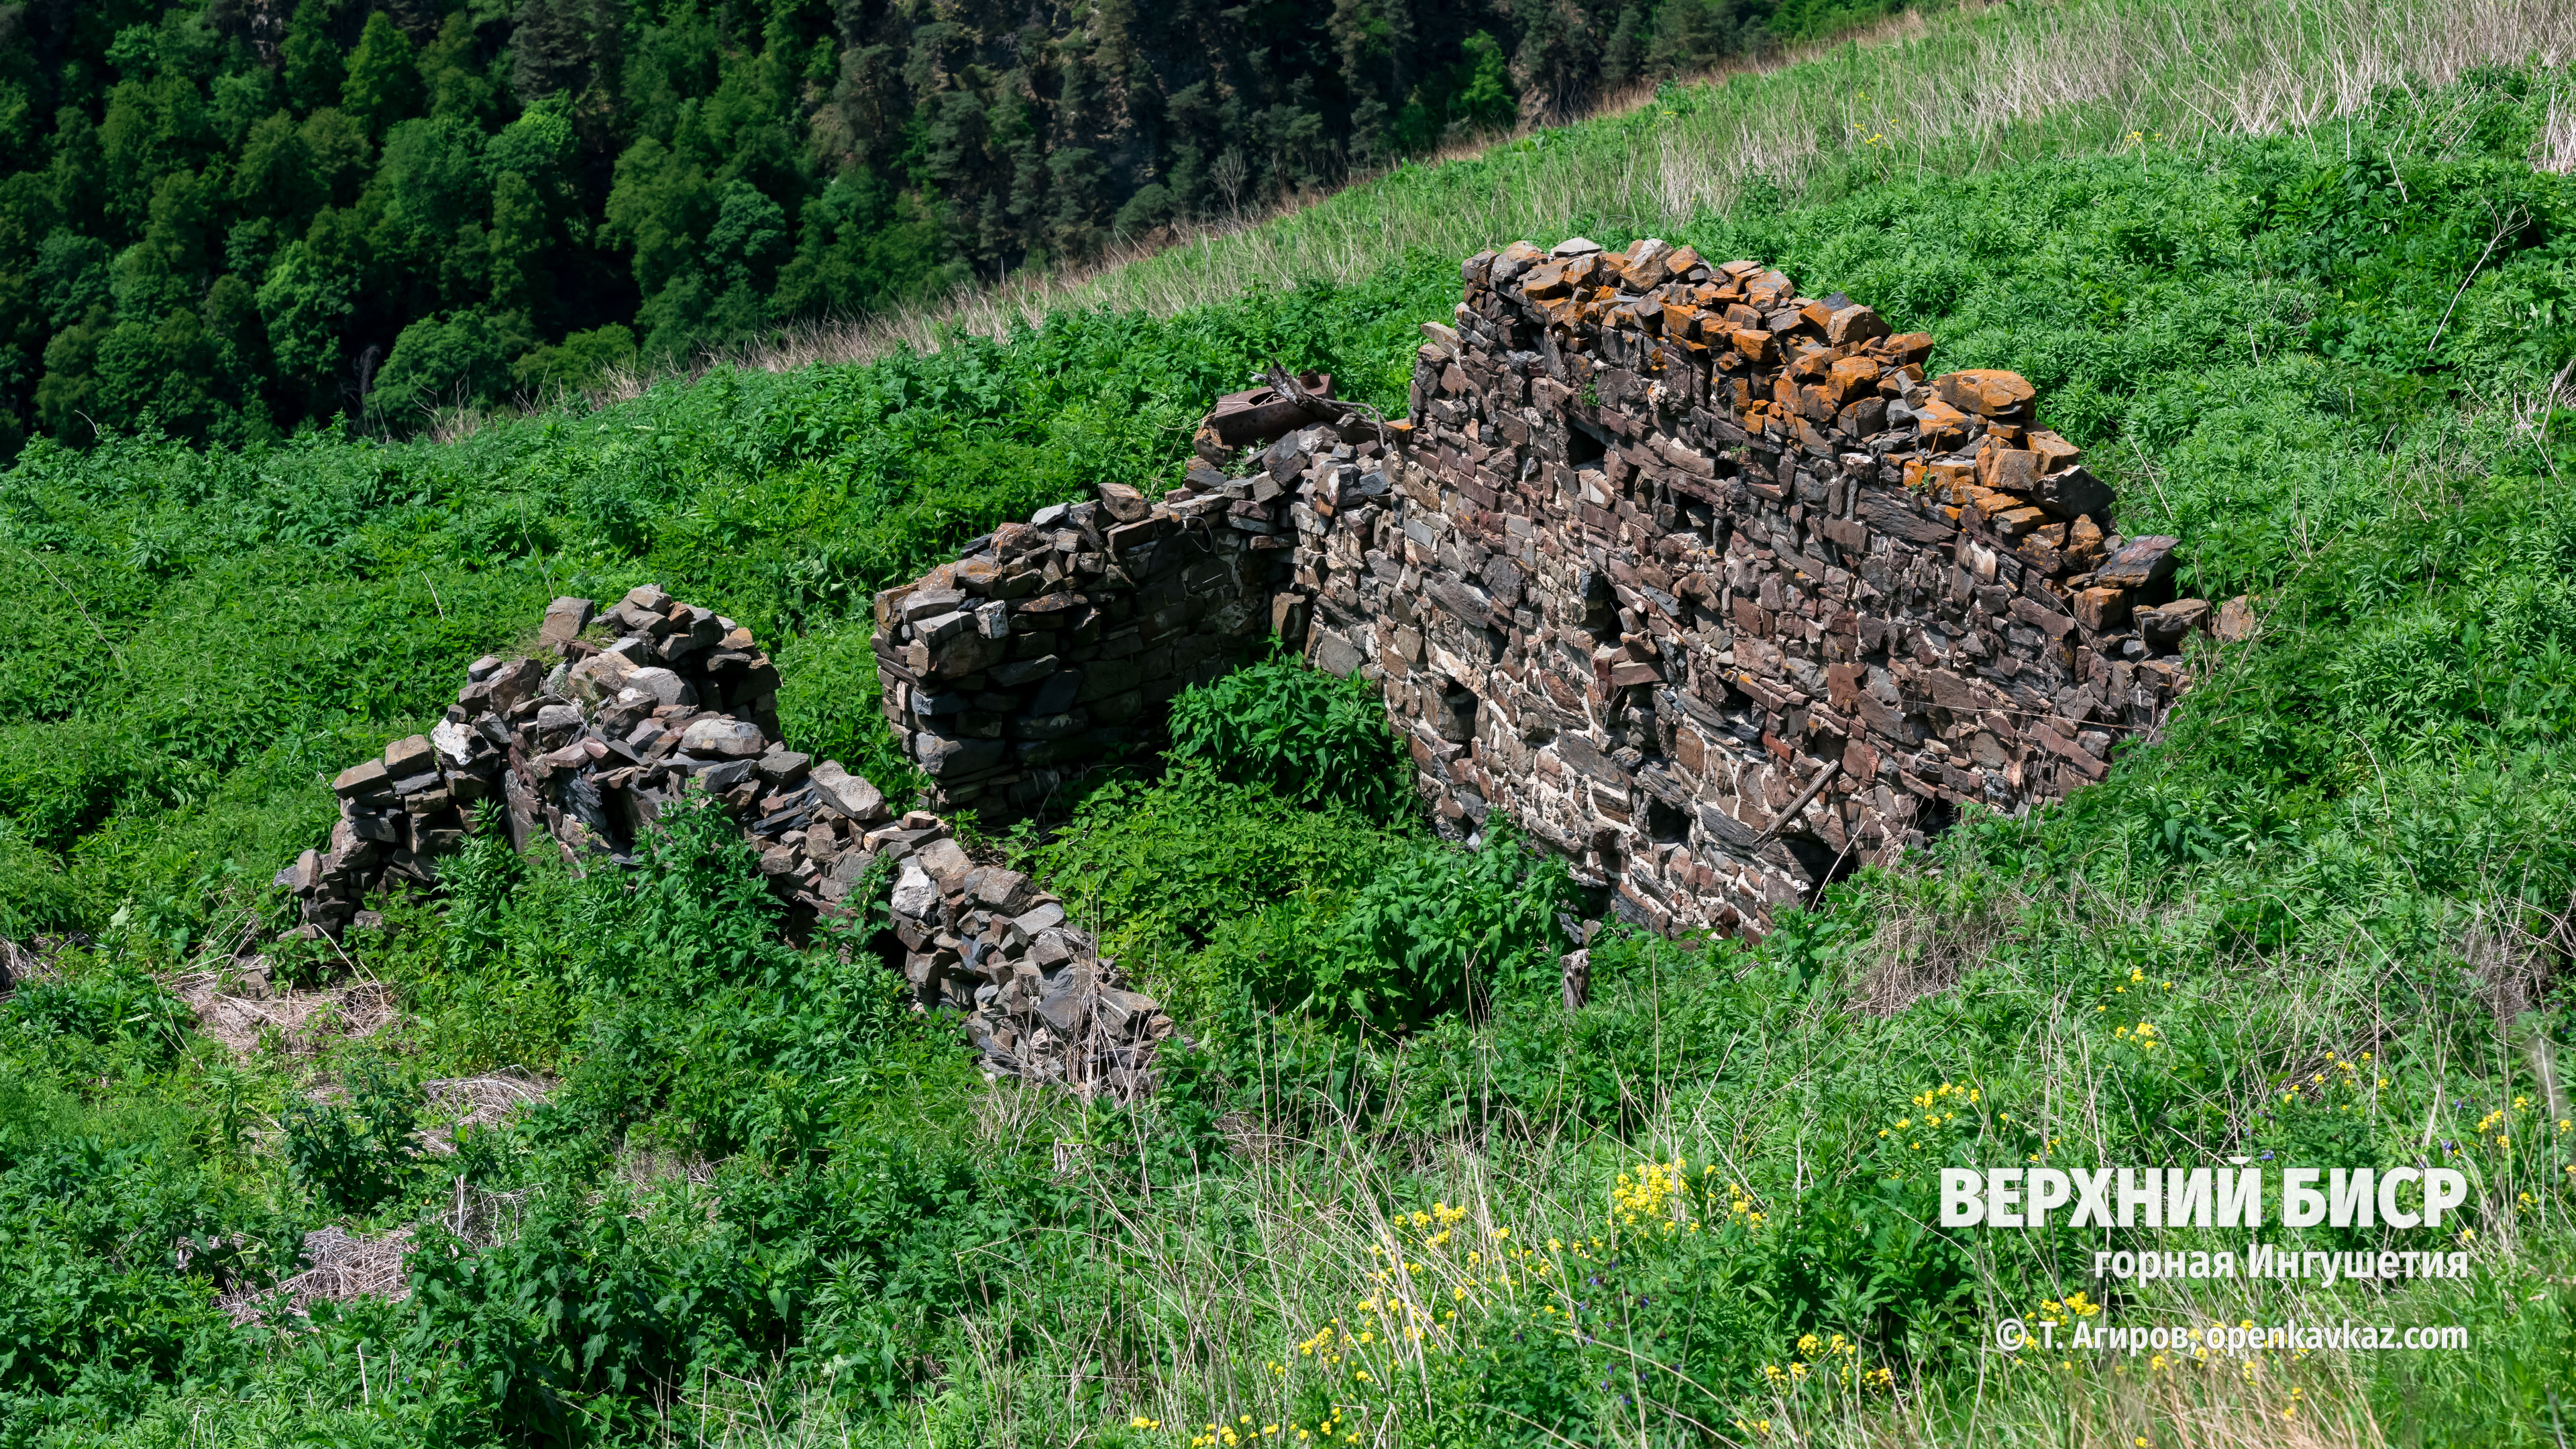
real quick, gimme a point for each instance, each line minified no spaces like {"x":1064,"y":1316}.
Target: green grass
{"x":1939,"y":92}
{"x":763,"y":1207}
{"x":209,"y":636}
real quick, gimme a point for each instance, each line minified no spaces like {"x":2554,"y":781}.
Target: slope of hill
{"x":228,"y":220}
{"x":1933,"y":93}
{"x":2319,"y":921}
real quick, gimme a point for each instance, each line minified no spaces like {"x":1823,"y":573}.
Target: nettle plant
{"x":353,"y":1158}
{"x":1304,"y":734}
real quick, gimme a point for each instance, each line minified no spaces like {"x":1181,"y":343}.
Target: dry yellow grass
{"x":1968,"y":90}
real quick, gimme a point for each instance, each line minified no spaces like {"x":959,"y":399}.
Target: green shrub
{"x":1164,"y":867}
{"x":353,"y":1158}
{"x":110,"y":1246}
{"x":110,"y":1005}
{"x":1429,"y":930}
{"x":1300,"y":733}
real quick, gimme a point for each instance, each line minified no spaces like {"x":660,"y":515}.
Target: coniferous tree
{"x":313,"y":71}
{"x":383,"y":84}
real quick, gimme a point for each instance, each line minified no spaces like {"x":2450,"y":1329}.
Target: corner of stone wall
{"x":1056,"y":646}
{"x":1710,"y":587}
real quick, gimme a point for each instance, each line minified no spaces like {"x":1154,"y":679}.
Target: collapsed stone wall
{"x":1705,"y":583}
{"x":624,"y":714}
{"x":1053,"y":646}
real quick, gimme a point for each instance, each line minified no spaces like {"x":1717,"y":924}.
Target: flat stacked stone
{"x":1708,"y":585}
{"x":1053,"y":646}
{"x":585,"y":747}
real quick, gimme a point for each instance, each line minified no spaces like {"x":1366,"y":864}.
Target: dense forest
{"x":222,"y":220}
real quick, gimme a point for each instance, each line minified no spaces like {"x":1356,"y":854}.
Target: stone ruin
{"x":1054,"y":645}
{"x":619,"y":716}
{"x":1704,"y":582}
{"x":1708,"y":585}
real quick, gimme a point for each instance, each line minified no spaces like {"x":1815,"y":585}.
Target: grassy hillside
{"x":1937,"y":92}
{"x":760,"y":1205}
{"x":229,"y":221}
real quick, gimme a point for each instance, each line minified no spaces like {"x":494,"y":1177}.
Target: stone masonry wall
{"x":1704,"y":583}
{"x":1053,"y":646}
{"x":621,"y":715}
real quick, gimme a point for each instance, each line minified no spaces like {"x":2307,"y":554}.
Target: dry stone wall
{"x":621,"y":715}
{"x":1053,"y":646}
{"x":1706,"y":583}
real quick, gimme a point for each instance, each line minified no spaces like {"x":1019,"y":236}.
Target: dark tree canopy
{"x":226,"y":219}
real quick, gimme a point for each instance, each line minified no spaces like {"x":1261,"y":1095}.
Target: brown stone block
{"x":2100,"y":609}
{"x":1843,"y":685}
{"x":1288,"y":617}
{"x":2011,"y":470}
{"x":359,"y":780}
{"x":1988,"y":392}
{"x":2048,"y":621}
{"x":1860,"y":763}
{"x":1880,"y":718}
{"x":1124,"y":504}
{"x":2073,"y":753}
{"x":1689,"y":750}
{"x":2139,"y":563}
{"x":1851,"y":377}
{"x":2163,"y":628}
{"x":1943,"y":426}
{"x":2055,"y":453}
{"x":1853,"y":325}
{"x":2017,"y":521}
{"x":565,"y":619}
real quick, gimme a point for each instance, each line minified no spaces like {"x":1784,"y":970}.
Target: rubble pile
{"x":656,"y":700}
{"x":1039,"y":1002}
{"x":588,"y":751}
{"x":1708,"y":584}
